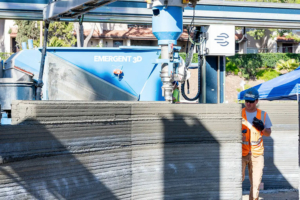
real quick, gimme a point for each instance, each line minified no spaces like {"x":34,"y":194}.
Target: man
{"x":176,"y":93}
{"x":255,"y":124}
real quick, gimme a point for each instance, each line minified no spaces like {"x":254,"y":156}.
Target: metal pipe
{"x":41,"y":33}
{"x":223,"y":79}
{"x":164,"y":74}
{"x":81,"y":35}
{"x":218,"y":81}
{"x":1,"y":68}
{"x":203,"y":81}
{"x":40,"y":80}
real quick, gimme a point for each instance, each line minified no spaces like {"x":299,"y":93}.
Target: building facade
{"x":115,"y":35}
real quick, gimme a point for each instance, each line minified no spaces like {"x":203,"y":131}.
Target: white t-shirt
{"x":250,"y":117}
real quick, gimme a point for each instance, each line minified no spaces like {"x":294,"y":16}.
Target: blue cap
{"x":251,"y":94}
{"x":175,"y":82}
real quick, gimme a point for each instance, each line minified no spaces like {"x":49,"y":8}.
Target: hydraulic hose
{"x":189,"y":58}
{"x":189,"y":53}
{"x":200,"y":61}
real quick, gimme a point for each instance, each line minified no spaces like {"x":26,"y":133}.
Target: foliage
{"x":36,"y":43}
{"x":267,"y":74}
{"x":4,"y":55}
{"x":265,"y":59}
{"x":248,"y":64}
{"x":256,"y":33}
{"x":247,"y":86}
{"x":56,"y":42}
{"x":289,"y":65}
{"x":260,"y":65}
{"x":232,"y":68}
{"x":291,"y":35}
{"x":195,"y":57}
{"x":257,"y":61}
{"x":26,"y":30}
{"x":62,"y":34}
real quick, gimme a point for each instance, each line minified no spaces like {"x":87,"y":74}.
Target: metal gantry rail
{"x":72,"y":8}
{"x":238,"y":13}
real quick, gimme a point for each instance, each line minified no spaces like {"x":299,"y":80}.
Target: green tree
{"x":61,"y":34}
{"x":26,"y":30}
{"x":289,"y":65}
{"x":259,"y":33}
{"x":256,"y":33}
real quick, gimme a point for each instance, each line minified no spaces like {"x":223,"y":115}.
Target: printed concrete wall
{"x":281,"y":149}
{"x":101,"y":150}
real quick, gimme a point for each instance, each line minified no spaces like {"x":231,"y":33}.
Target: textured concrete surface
{"x":121,"y":150}
{"x":281,"y":169}
{"x":65,"y":81}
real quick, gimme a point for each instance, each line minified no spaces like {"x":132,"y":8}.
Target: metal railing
{"x":285,"y":49}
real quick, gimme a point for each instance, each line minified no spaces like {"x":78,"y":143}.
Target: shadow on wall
{"x":94,"y":160}
{"x":36,"y":165}
{"x":191,"y":160}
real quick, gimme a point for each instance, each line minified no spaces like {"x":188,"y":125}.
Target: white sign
{"x":221,"y":40}
{"x":118,"y":59}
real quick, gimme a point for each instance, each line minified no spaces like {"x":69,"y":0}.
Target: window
{"x":287,"y":48}
{"x":237,"y":47}
{"x":118,"y":43}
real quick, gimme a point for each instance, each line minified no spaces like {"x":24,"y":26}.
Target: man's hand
{"x":258,"y":124}
{"x":244,"y":138}
{"x":267,"y":132}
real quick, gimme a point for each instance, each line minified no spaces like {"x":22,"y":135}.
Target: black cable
{"x":190,"y":51}
{"x":188,"y":61}
{"x":188,"y":86}
{"x":189,"y":58}
{"x":200,"y":62}
{"x":187,"y":42}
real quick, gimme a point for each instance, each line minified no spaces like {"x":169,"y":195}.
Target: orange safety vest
{"x":254,"y":140}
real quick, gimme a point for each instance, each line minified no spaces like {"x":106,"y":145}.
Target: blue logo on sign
{"x":222,"y":39}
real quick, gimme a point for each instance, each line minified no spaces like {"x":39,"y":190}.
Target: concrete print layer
{"x":121,"y":150}
{"x":281,"y":149}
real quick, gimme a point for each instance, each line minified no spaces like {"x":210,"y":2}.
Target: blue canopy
{"x":285,"y":87}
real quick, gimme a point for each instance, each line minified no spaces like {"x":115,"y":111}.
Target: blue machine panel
{"x":136,"y":64}
{"x":212,"y":64}
{"x":140,"y":75}
{"x":29,"y":60}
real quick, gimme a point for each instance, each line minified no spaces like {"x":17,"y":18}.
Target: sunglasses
{"x":247,"y":101}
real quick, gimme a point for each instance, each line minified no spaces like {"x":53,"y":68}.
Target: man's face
{"x":251,"y":105}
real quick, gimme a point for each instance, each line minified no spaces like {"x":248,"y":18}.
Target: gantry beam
{"x":249,"y":14}
{"x":68,"y":9}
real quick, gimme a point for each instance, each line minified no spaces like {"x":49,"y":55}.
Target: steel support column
{"x":40,"y":80}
